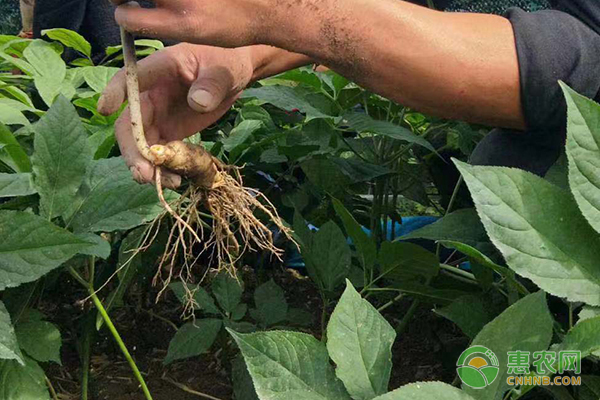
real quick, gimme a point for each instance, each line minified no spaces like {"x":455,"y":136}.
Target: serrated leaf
{"x":271,"y":305}
{"x":9,"y":144}
{"x":227,"y":290}
{"x":9,"y":347}
{"x":31,"y":247}
{"x":286,"y":98}
{"x":41,"y":340}
{"x":583,"y":153}
{"x":18,"y":382}
{"x":359,"y":341}
{"x":61,"y":158}
{"x":192,"y":339}
{"x":426,"y":391}
{"x":49,"y":70}
{"x":70,"y":39}
{"x":98,"y":77}
{"x":202,"y":300}
{"x":362,"y":122}
{"x":524,"y":326}
{"x":289,"y":365}
{"x":365,"y":246}
{"x":328,"y":257}
{"x":111,"y":200}
{"x":539,"y":230}
{"x":16,"y":185}
{"x":243,"y":388}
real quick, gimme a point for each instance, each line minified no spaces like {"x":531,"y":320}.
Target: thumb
{"x":210,"y":89}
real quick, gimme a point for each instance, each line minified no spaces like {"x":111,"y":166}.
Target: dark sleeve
{"x":553,"y":45}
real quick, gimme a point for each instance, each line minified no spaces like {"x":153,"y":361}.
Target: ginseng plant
{"x":212,"y":184}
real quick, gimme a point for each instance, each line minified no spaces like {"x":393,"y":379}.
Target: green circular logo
{"x":478,"y":367}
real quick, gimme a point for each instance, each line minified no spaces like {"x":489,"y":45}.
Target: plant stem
{"x":111,"y":327}
{"x":389,"y":303}
{"x":408,"y":316}
{"x":51,"y":388}
{"x":119,"y":341}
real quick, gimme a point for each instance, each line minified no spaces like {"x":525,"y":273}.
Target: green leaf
{"x":583,"y":152}
{"x":19,"y":95}
{"x":202,"y":300}
{"x":61,"y":158}
{"x":243,"y":388}
{"x":359,"y":341}
{"x":524,"y":326}
{"x":403,"y":262}
{"x":477,"y":257}
{"x":16,"y":185}
{"x":271,"y":305}
{"x":241,"y":133}
{"x":583,"y":337}
{"x":100,"y":249}
{"x":426,"y":391}
{"x":228,"y":291}
{"x":362,"y":122}
{"x":328,"y":257}
{"x":12,"y":116}
{"x":462,"y":226}
{"x":70,"y":39}
{"x":359,"y":171}
{"x":192,"y":339}
{"x":40,"y":339}
{"x":289,"y":365}
{"x":31,"y":247}
{"x":9,"y":347}
{"x":539,"y":230}
{"x":98,"y":77}
{"x":49,"y":70}
{"x":286,"y":98}
{"x":111,"y":200}
{"x":365,"y":246}
{"x":18,"y":382}
{"x":471,"y":313}
{"x":9,"y":144}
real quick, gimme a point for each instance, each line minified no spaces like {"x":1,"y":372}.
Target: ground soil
{"x":426,"y":351}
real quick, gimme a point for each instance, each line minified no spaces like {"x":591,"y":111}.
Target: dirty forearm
{"x":461,"y":66}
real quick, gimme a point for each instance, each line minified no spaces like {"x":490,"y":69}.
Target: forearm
{"x":461,"y":66}
{"x":268,"y":61}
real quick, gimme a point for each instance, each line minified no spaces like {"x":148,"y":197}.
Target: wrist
{"x":267,"y":61}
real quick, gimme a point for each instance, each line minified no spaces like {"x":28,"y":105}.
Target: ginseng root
{"x":218,"y":188}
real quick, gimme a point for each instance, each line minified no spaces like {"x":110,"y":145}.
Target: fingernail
{"x":203,"y":98}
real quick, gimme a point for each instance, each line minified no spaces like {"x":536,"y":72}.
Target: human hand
{"x":223,"y":23}
{"x":184,"y":89}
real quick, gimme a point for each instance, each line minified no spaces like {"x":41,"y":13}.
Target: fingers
{"x":141,"y":169}
{"x":210,"y":89}
{"x":153,"y":22}
{"x":160,"y":66}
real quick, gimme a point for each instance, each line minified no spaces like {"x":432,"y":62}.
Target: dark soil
{"x":427,"y":350}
